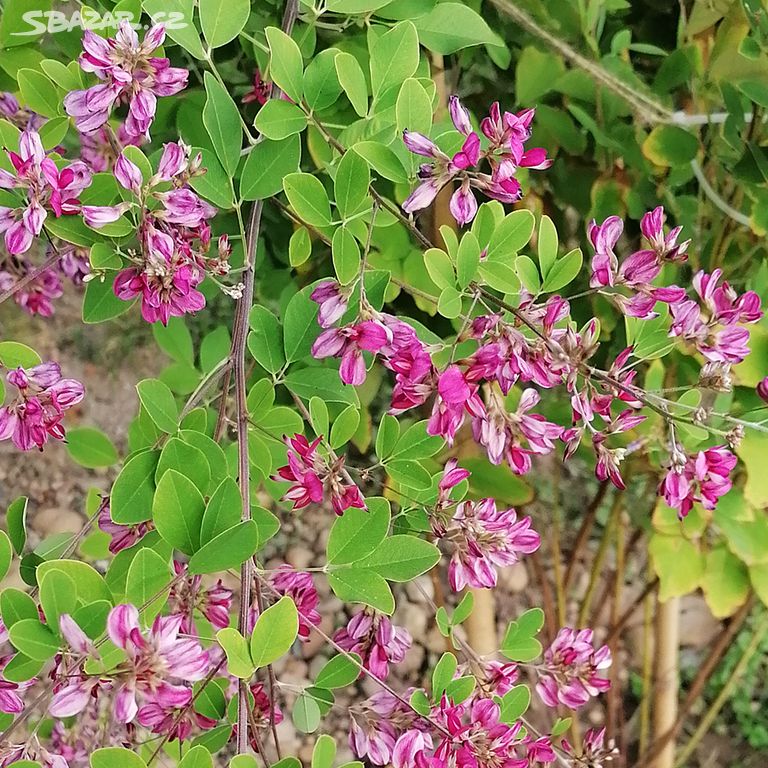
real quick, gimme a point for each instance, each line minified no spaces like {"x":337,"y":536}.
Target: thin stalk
{"x":645,"y":703}
{"x":585,"y":530}
{"x":667,"y":678}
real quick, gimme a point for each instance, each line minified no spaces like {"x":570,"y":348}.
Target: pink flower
{"x":260,"y":90}
{"x":46,"y":188}
{"x":349,"y":343}
{"x":130,"y":73}
{"x":314,"y":478}
{"x":571,"y":669}
{"x":98,"y":152}
{"x":376,"y":640}
{"x":594,"y":750}
{"x":762,"y":389}
{"x":37,"y":296}
{"x":10,"y":702}
{"x":42,"y":397}
{"x":704,"y":477}
{"x":485,"y":538}
{"x":187,"y":596}
{"x":169,"y":713}
{"x":301,"y":589}
{"x":122,"y":536}
{"x":455,"y":398}
{"x":333,"y":302}
{"x":505,"y":155}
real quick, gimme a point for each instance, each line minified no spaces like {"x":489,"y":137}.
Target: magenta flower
{"x":372,"y":732}
{"x":45,"y":187}
{"x":638,"y":271}
{"x":129,"y":73}
{"x":98,"y":152}
{"x":503,"y":432}
{"x":300,"y":587}
{"x":571,"y":667}
{"x":315,"y":479}
{"x":485,"y":538}
{"x":188,"y":595}
{"x":10,"y":701}
{"x":37,"y":296}
{"x":376,"y":640}
{"x":349,"y":343}
{"x":594,"y":750}
{"x":505,"y":154}
{"x":333,"y":302}
{"x":704,"y":477}
{"x":168,"y":714}
{"x":762,"y":389}
{"x":260,"y":90}
{"x":42,"y":397}
{"x":714,"y":326}
{"x":122,"y":536}
{"x":455,"y":398}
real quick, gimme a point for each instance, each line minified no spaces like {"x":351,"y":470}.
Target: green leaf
{"x":386,"y":438}
{"x":499,"y":275}
{"x":286,"y":66}
{"x":308,"y":198}
{"x":356,"y":534}
{"x":221,"y":117}
{"x":413,"y":108}
{"x":468,"y":259}
{"x":267,"y":164}
{"x":174,"y":339}
{"x":339,"y":672}
{"x":38,"y":92}
{"x":134,"y":488}
{"x":177,"y":511}
{"x":536,"y":73}
{"x":344,"y":426}
{"x":547,"y":245}
{"x":563,"y":272}
{"x":100,"y":303}
{"x":14,"y":354}
{"x":16,"y":521}
{"x":352,"y":80}
{"x":320,"y":382}
{"x":670,"y":145}
{"x":401,"y":558}
{"x":223,"y":20}
{"x":678,"y":563}
{"x":111,"y":757}
{"x":299,"y":327}
{"x":449,"y":303}
{"x":416,"y":443}
{"x":359,"y":585}
{"x":449,"y":27}
{"x":6,"y":554}
{"x":278,"y":119}
{"x":223,"y":510}
{"x":34,"y":639}
{"x":305,"y":713}
{"x":197,"y":757}
{"x":528,"y":274}
{"x":383,"y":160}
{"x":265,"y":341}
{"x":394,"y":57}
{"x":515,"y":703}
{"x":185,"y":34}
{"x":321,"y":85}
{"x":274,"y":633}
{"x":215,"y":184}
{"x":90,"y":447}
{"x":351,"y":183}
{"x":159,"y":403}
{"x":725,"y":582}
{"x":511,"y":235}
{"x":58,"y":594}
{"x":229,"y":549}
{"x":324,"y":752}
{"x":148,"y":576}
{"x":440,"y":268}
{"x":410,"y":474}
{"x":442,"y":674}
{"x":15,"y":606}
{"x":520,"y":643}
{"x":346,"y":254}
{"x":235,"y":646}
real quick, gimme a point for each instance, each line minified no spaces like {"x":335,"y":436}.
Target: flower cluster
{"x":506,"y":135}
{"x":571,"y":669}
{"x":174,"y":235}
{"x":315,"y":479}
{"x":378,"y":642}
{"x":129,"y":72}
{"x":36,"y":413}
{"x":45,"y":189}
